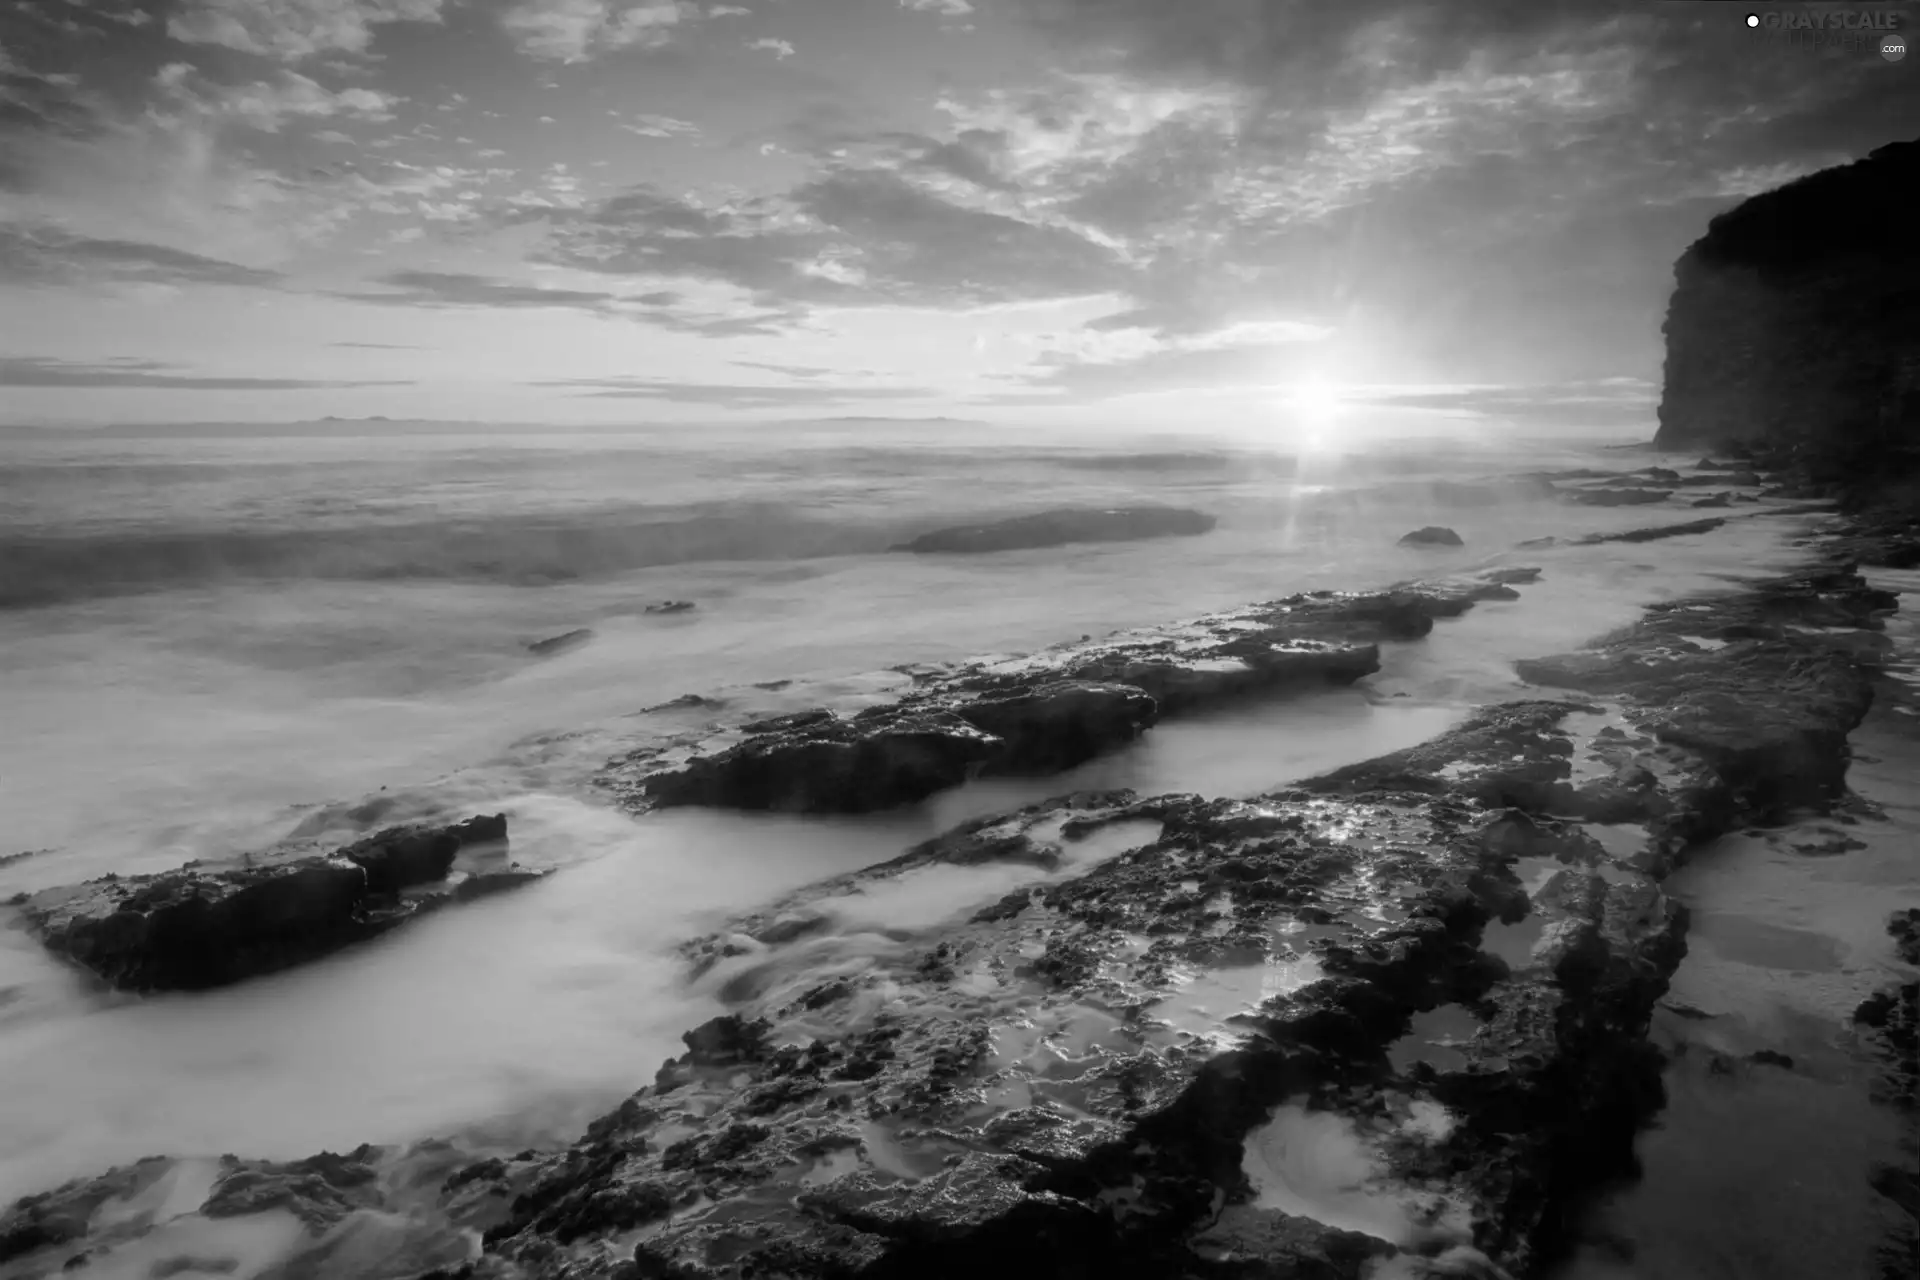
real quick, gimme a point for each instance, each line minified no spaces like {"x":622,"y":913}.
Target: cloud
{"x":728,"y":11}
{"x":454,"y":289}
{"x":660,"y":308}
{"x":730,"y":395}
{"x":778,"y":48}
{"x":377,"y":346}
{"x":577,"y":30}
{"x":658,"y":126}
{"x":944,"y":8}
{"x":789,"y":370}
{"x":856,"y":237}
{"x":1106,"y":364}
{"x":265,"y":104}
{"x":42,"y":254}
{"x":37,"y":371}
{"x":290,"y":30}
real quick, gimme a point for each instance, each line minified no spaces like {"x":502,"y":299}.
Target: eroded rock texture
{"x":1389,"y":1022}
{"x":1045,"y":712}
{"x":210,"y":924}
{"x":1791,"y":324}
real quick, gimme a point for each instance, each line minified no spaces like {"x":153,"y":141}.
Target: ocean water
{"x":212,"y":645}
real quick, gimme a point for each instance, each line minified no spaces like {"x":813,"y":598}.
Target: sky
{"x":1068,"y":211}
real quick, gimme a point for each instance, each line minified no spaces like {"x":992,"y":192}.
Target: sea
{"x":215,"y":643}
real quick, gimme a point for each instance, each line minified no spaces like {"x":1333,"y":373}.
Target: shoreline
{"x":1603,"y":931}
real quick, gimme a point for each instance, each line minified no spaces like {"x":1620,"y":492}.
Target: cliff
{"x":1794,"y":326}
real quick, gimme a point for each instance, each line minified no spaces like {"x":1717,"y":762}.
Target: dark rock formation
{"x":1616,"y":497}
{"x":1655,"y":533}
{"x":1431,"y":960}
{"x":671,"y":606}
{"x":208,"y":925}
{"x":1790,"y":327}
{"x":1057,"y":528}
{"x":1715,"y":500}
{"x":560,"y":643}
{"x":1047,"y":712}
{"x":1432,"y":535}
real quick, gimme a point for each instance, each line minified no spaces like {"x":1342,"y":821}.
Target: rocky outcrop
{"x":212,"y":924}
{"x":1058,"y":528}
{"x":1436,"y":968}
{"x":1432,"y":535}
{"x":1043,"y":713}
{"x":1616,"y":497}
{"x":1790,"y":326}
{"x":566,"y":640}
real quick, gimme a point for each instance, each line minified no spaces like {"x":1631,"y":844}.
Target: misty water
{"x":209,"y":646}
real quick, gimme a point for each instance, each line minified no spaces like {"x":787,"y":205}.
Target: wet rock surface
{"x":554,"y":645}
{"x":1617,"y":497}
{"x":1432,"y":535}
{"x":1045,"y":712}
{"x":1058,"y":528}
{"x":211,"y":924}
{"x":1391,"y":1021}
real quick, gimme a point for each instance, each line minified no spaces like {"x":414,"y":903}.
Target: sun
{"x":1314,"y":399}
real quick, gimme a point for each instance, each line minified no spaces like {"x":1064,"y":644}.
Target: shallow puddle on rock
{"x":1317,"y":1164}
{"x":1432,"y":1038}
{"x":1514,"y":942}
{"x":1202,"y":1004}
{"x":835,"y":1164}
{"x":1301,"y":936}
{"x":1533,"y":873}
{"x":885,"y":1152}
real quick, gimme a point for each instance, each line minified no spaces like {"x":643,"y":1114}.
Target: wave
{"x":517,"y":551}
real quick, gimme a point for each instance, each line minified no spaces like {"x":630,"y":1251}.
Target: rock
{"x":1660,"y":473}
{"x":1052,"y":727}
{"x":1904,"y":928}
{"x":1428,"y":960}
{"x":1744,"y":681}
{"x":688,"y":702}
{"x":1655,"y":533}
{"x":1786,"y":329}
{"x":670,"y":606}
{"x":560,"y":643}
{"x":1715,"y":500}
{"x":212,"y":924}
{"x":1058,"y":528}
{"x":1616,"y":497}
{"x":833,"y":766}
{"x":1432,"y":536}
{"x":1044,"y":712}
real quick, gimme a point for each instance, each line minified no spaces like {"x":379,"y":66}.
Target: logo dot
{"x":1753,"y":19}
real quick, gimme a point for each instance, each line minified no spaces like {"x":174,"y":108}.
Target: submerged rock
{"x":1432,"y":536}
{"x":1617,"y":497}
{"x":561,"y":643}
{"x":212,"y":924}
{"x":1655,"y":533}
{"x":1057,"y":528}
{"x":1046,"y":712}
{"x":671,"y":606}
{"x":1715,"y":500}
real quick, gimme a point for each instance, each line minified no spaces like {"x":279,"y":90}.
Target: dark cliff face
{"x":1794,"y":326}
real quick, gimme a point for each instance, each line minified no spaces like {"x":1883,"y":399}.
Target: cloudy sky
{"x":1072,"y":210}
